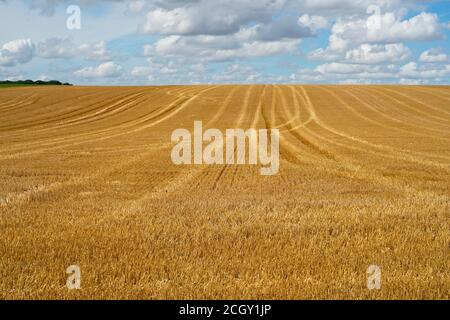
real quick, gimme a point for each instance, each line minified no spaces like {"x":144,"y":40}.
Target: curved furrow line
{"x":19,"y":106}
{"x":420,"y":100}
{"x":15,"y":98}
{"x":434,"y":125}
{"x":254,"y":125}
{"x":296,"y":104}
{"x":286,"y":126}
{"x":108,"y":111}
{"x":246,"y":104}
{"x":176,"y":182}
{"x":288,"y":150}
{"x":66,"y":115}
{"x":82,"y":136}
{"x":47,"y":141}
{"x":226,"y":103}
{"x":387,"y":152}
{"x":112,"y":110}
{"x":435,"y":93}
{"x":290,"y":123}
{"x":315,"y":148}
{"x":445,"y":122}
{"x":440,"y":92}
{"x":189,"y":91}
{"x":414,"y":118}
{"x":306,"y":137}
{"x":171,"y":89}
{"x":159,"y":112}
{"x":347,"y":106}
{"x":18,"y":199}
{"x":269,"y":121}
{"x":78,"y":140}
{"x":306,"y":133}
{"x":40,"y":96}
{"x":59,"y":102}
{"x":345,"y":167}
{"x":392,"y":155}
{"x":258,"y":111}
{"x":104,"y":150}
{"x":240,"y":121}
{"x":18,"y":100}
{"x":86,"y":118}
{"x":296,"y":118}
{"x":418,"y":120}
{"x":395,"y":151}
{"x":391,"y":118}
{"x":47,"y":114}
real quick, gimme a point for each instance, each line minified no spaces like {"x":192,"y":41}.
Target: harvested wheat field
{"x":87,"y":180}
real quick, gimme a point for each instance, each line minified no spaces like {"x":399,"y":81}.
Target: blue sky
{"x":148,"y":42}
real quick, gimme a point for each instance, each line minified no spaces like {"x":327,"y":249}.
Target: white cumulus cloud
{"x":433,"y":55}
{"x":18,"y":51}
{"x":313,"y":22}
{"x":378,"y":29}
{"x":63,"y":48}
{"x":104,"y":70}
{"x":375,"y":54}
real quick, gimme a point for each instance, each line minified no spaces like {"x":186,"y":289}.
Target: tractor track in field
{"x":20,"y":198}
{"x":127,"y":127}
{"x":86,"y":178}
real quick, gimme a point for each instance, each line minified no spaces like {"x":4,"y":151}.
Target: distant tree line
{"x":35,"y":83}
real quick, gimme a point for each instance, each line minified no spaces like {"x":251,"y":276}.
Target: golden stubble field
{"x":86,"y":179}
